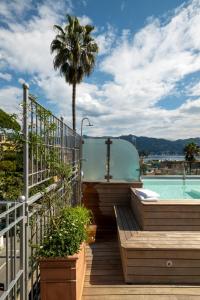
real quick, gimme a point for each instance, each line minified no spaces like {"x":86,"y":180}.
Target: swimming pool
{"x":173,"y":188}
{"x":178,"y":207}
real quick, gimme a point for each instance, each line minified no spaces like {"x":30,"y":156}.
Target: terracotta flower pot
{"x":91,"y":231}
{"x":63,"y":278}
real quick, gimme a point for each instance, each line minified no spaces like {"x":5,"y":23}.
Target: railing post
{"x":62,"y":144}
{"x":108,"y":142}
{"x":22,"y":248}
{"x":62,"y":139}
{"x":26,"y":179}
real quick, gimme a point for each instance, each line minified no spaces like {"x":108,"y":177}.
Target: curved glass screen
{"x":124,"y":161}
{"x":110,"y":159}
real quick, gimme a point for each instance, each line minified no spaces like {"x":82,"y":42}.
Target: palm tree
{"x":75,"y":51}
{"x":191,"y":150}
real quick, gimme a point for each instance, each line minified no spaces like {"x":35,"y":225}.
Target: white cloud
{"x":84,"y":20}
{"x":194,"y":90}
{"x":14,"y":8}
{"x":59,"y":93}
{"x":10,"y":98}
{"x":105,"y":40}
{"x":191,"y":107}
{"x":25,"y":47}
{"x":5,"y":76}
{"x":147,"y":68}
{"x":144,"y":68}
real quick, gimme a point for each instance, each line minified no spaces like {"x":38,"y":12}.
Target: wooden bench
{"x":156,"y":256}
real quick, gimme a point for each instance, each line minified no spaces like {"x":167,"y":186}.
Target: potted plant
{"x":91,"y":231}
{"x":62,"y":255}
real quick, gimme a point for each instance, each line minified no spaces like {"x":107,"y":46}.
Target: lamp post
{"x":81,"y":147}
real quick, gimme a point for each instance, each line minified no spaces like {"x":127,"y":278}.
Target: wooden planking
{"x":151,"y":262}
{"x":157,"y":206}
{"x":137,"y":209}
{"x":127,"y":227}
{"x":135,"y":243}
{"x":163,"y":271}
{"x":172,"y":228}
{"x":135,"y":238}
{"x":161,"y":253}
{"x":112,"y":287}
{"x":100,"y":197}
{"x":139,"y":297}
{"x":174,"y":222}
{"x":166,"y":215}
{"x":171,"y":215}
{"x":159,"y":279}
{"x":136,"y":289}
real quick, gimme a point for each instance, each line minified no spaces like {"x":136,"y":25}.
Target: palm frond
{"x":89,"y":29}
{"x":59,"y":28}
{"x":56,"y":45}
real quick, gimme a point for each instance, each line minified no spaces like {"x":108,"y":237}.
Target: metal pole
{"x":108,"y":142}
{"x":89,"y":124}
{"x":62,"y":139}
{"x":26,"y":179}
{"x":22,"y":249}
{"x":81,"y":152}
{"x":81,"y":145}
{"x":62,"y":146}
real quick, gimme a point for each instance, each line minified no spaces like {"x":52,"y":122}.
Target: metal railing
{"x":179,"y":168}
{"x":12,"y":275}
{"x":47,"y":142}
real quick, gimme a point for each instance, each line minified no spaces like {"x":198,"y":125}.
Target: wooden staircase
{"x":104,"y":276}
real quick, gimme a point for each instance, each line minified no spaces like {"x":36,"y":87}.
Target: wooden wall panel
{"x":166,"y":215}
{"x":100,"y":197}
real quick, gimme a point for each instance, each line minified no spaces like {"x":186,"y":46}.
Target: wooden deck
{"x":155,"y":257}
{"x":104,"y":277}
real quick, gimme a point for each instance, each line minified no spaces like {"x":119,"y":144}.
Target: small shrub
{"x":66,"y":233}
{"x":8,"y":166}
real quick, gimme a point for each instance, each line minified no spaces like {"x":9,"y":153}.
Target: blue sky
{"x":147,"y":76}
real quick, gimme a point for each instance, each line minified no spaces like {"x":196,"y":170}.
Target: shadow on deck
{"x":104,"y":276}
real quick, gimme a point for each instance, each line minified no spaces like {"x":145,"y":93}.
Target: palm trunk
{"x":74,"y":106}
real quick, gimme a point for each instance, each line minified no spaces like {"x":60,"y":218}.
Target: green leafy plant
{"x":11,"y":186}
{"x":65,"y":233}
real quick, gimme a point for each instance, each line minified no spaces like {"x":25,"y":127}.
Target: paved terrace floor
{"x":104,"y":277}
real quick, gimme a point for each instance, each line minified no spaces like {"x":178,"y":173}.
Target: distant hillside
{"x":159,"y":146}
{"x":155,"y":146}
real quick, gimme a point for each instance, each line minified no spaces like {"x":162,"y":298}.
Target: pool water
{"x":174,"y":188}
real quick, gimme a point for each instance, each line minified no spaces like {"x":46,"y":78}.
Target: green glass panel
{"x":94,"y":159}
{"x":124,"y":161}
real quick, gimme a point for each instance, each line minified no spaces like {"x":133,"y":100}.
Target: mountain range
{"x":156,"y":146}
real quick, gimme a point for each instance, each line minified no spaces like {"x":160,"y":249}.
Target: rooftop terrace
{"x":134,"y":257}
